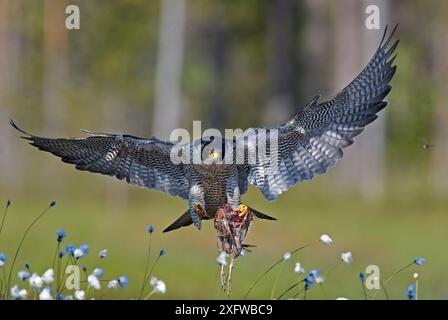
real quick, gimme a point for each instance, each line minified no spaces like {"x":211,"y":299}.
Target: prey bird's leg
{"x":226,"y":225}
{"x":229,"y":277}
{"x":223,"y":278}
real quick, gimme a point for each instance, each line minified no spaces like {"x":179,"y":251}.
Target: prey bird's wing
{"x":313,"y":140}
{"x":142,"y":162}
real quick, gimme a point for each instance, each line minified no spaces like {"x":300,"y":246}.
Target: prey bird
{"x":306,"y":146}
{"x":232,"y":228}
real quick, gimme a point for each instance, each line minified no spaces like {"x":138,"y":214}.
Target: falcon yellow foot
{"x":241,"y":210}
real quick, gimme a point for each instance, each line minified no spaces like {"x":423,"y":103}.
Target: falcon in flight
{"x":306,"y":146}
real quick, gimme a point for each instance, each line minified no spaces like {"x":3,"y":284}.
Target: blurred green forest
{"x":147,"y":67}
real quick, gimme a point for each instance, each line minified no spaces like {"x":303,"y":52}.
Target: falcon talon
{"x":242,"y":209}
{"x":200,"y":211}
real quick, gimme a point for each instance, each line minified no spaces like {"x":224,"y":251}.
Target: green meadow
{"x":388,"y":232}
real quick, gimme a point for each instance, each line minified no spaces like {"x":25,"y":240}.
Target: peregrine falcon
{"x":307,"y":145}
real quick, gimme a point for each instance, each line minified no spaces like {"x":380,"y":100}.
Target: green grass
{"x":389,"y":233}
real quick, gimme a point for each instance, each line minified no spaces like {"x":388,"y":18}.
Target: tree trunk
{"x":316,"y":49}
{"x":218,"y":37}
{"x":280,"y":99}
{"x":439,"y":71}
{"x":168,"y":94}
{"x":363,"y":165}
{"x":55,"y":66}
{"x":9,"y":70}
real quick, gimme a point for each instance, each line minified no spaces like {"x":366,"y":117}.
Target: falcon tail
{"x":185,"y":220}
{"x":260,"y":215}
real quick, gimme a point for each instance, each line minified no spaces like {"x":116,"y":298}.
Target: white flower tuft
{"x":153,"y":281}
{"x":35,"y":281}
{"x":103,"y":254}
{"x":319,"y":279}
{"x":48,"y":276}
{"x":80,"y":294}
{"x":112,"y":284}
{"x":326,"y":239}
{"x":45,"y":294}
{"x":287,"y":256}
{"x":222,"y":259}
{"x":78,"y":253}
{"x":94,"y":282}
{"x":298,"y":268}
{"x":158,"y":285}
{"x":18,"y":294}
{"x":347,"y":257}
{"x":23,"y":275}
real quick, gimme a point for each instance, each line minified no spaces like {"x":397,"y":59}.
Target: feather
{"x":312,"y":141}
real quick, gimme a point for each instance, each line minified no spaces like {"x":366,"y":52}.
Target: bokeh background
{"x":147,"y":67}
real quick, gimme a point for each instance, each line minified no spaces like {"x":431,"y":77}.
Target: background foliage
{"x":245,"y":63}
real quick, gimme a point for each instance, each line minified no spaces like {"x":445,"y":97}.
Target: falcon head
{"x":202,"y":151}
{"x":212,"y":150}
{"x":214,"y":155}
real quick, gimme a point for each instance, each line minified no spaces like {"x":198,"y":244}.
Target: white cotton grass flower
{"x":298,"y":268}
{"x":48,"y":276}
{"x":78,"y":253}
{"x":98,"y":272}
{"x":35,"y":281}
{"x":326,"y":239}
{"x":341,"y":298}
{"x":153,"y":281}
{"x":93,"y":282}
{"x":18,"y":294}
{"x":316,"y":276}
{"x":222,"y":259}
{"x":45,"y":294}
{"x":415,"y":275}
{"x":112,"y":284}
{"x":158,"y":285}
{"x":3,"y":259}
{"x":287,"y":256}
{"x":80,"y":294}
{"x":23,"y":275}
{"x":103,"y":254}
{"x":347,"y":257}
{"x":319,"y":279}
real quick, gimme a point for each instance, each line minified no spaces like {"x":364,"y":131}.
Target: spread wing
{"x":142,"y":162}
{"x":313,"y":140}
